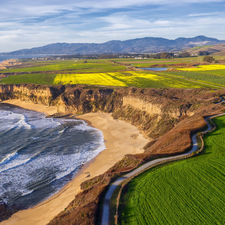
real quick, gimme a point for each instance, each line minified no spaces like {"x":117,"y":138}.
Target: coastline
{"x":121,"y":138}
{"x":49,"y":110}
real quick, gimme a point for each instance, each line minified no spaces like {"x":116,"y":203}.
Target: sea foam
{"x":39,"y":155}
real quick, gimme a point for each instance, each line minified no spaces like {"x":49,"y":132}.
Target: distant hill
{"x":219,"y":54}
{"x":139,"y":45}
{"x":218,"y":49}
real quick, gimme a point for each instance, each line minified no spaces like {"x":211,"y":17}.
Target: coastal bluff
{"x":147,"y":109}
{"x":167,"y":117}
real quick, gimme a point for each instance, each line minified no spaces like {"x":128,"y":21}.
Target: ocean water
{"x":39,"y":155}
{"x":5,"y":57}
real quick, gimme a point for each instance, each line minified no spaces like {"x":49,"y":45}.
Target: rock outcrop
{"x":153,"y":111}
{"x":7,"y":210}
{"x":8,"y":63}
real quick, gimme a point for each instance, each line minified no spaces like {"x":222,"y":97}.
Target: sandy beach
{"x":49,"y":110}
{"x":121,"y":138}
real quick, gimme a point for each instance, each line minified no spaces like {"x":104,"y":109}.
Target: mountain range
{"x":139,"y":45}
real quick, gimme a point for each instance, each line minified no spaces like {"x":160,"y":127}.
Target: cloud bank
{"x":26,"y":24}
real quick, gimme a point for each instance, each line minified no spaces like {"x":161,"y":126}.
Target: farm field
{"x":106,"y":72}
{"x":190,"y":191}
{"x":174,"y":60}
{"x":205,"y":68}
{"x":39,"y":78}
{"x":165,"y":63}
{"x":212,"y":74}
{"x":124,"y":79}
{"x":79,"y":66}
{"x":216,"y":72}
{"x":121,"y":79}
{"x":207,"y":77}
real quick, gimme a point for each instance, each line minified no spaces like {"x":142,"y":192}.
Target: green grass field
{"x":175,"y":60}
{"x":186,"y":192}
{"x":79,"y":66}
{"x":216,"y":77}
{"x":198,"y":47}
{"x":105,"y":72}
{"x":216,"y":72}
{"x":30,"y":78}
{"x":121,"y":79}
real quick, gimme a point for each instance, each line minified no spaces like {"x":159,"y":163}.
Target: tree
{"x":209,"y":59}
{"x":203,"y":53}
{"x":166,"y":55}
{"x":184,"y":54}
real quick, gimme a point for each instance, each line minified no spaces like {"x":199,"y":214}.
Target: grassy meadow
{"x":190,"y":191}
{"x":211,"y":74}
{"x":125,"y":79}
{"x":75,"y":66}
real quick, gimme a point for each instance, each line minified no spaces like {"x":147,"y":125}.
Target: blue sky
{"x":27,"y":24}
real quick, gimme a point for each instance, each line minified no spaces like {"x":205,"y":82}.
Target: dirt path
{"x":114,"y":185}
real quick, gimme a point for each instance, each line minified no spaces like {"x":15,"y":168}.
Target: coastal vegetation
{"x":184,"y":192}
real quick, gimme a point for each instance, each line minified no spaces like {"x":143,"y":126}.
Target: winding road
{"x":114,"y":185}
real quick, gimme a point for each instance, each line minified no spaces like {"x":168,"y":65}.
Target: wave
{"x":27,"y":192}
{"x":8,"y":158}
{"x":14,"y":162}
{"x":13,"y":120}
{"x":45,"y":156}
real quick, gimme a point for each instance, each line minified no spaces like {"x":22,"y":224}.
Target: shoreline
{"x":120,"y":138}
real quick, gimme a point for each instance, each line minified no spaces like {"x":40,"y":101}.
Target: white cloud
{"x":26,"y":24}
{"x":203,"y":14}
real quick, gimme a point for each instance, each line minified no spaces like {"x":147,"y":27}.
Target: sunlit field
{"x":205,"y":68}
{"x":124,"y":79}
{"x":115,"y":72}
{"x":75,"y":66}
{"x":185,"y":192}
{"x":211,"y":74}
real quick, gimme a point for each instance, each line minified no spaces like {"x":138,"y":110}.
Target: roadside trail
{"x":114,"y":185}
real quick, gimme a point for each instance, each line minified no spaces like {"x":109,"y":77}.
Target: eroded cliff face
{"x":38,"y":94}
{"x":10,"y":62}
{"x":153,"y":111}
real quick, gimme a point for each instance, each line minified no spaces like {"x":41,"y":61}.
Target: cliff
{"x":148,"y":109}
{"x":10,"y":62}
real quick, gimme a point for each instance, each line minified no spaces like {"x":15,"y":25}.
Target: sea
{"x":39,"y":155}
{"x":5,"y":57}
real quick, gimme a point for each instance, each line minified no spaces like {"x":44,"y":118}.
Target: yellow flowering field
{"x":124,"y":79}
{"x":205,"y":68}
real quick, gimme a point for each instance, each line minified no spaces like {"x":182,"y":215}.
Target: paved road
{"x":105,"y":214}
